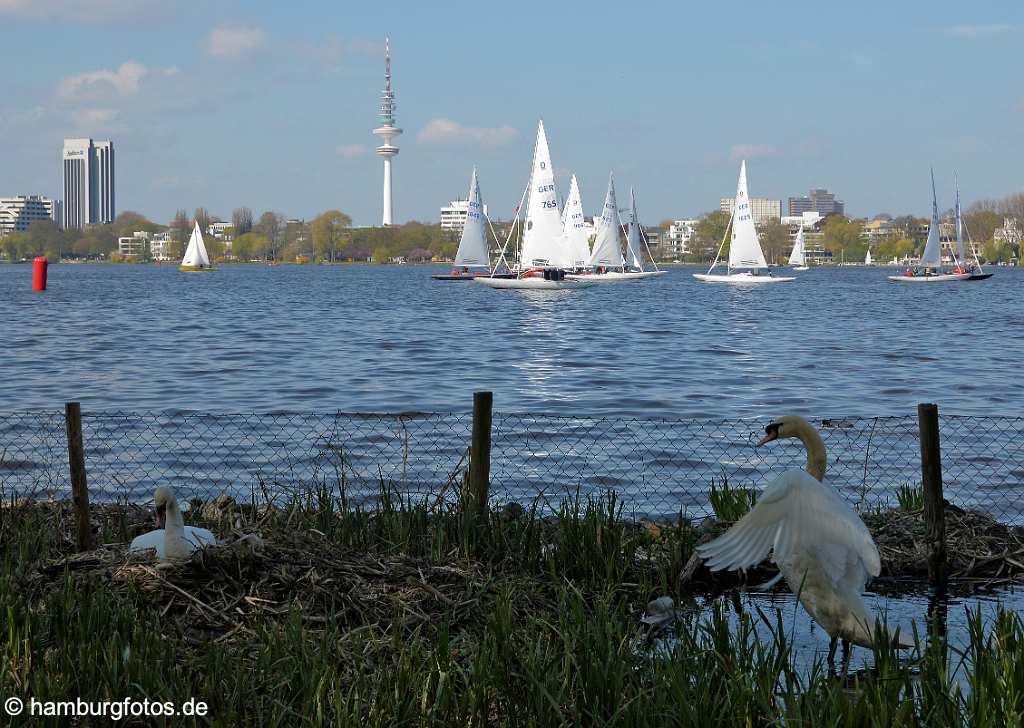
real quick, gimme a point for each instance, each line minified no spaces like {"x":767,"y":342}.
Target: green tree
{"x":708,"y":236}
{"x":981,"y":225}
{"x":842,"y":237}
{"x":775,"y":240}
{"x":997,"y":252}
{"x":181,"y":229}
{"x":241,"y":220}
{"x":330,"y":234}
{"x":272,"y":227}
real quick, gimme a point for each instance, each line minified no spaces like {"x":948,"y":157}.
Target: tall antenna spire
{"x":387,"y":130}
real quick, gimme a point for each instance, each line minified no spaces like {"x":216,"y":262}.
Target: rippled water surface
{"x":376,"y":338}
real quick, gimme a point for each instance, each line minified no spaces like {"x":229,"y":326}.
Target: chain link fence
{"x":657,"y":467}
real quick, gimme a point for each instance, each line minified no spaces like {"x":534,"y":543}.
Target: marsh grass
{"x":537,"y":626}
{"x":730,"y":503}
{"x":910,"y":498}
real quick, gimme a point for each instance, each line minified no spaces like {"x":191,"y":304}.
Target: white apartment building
{"x":453,"y":215}
{"x":762,"y":210}
{"x":88,"y":183}
{"x":17,"y":213}
{"x":139,"y":242}
{"x":677,"y":240}
{"x":217,"y":229}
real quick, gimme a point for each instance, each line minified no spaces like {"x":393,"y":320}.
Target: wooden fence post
{"x":934,"y":503}
{"x":480,"y":450}
{"x":79,"y":486}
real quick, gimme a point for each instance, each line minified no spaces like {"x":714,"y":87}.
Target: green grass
{"x":556,"y":643}
{"x":910,"y":498}
{"x":728,"y":503}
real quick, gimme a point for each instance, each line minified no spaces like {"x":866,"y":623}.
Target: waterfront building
{"x":818,"y":200}
{"x":761,"y":209}
{"x":1010,"y":232}
{"x":813,"y":223}
{"x":387,"y":131}
{"x":88,"y":183}
{"x":453,"y":215}
{"x":878,"y":230}
{"x":133,"y":246}
{"x":677,"y":238}
{"x":218,"y":229}
{"x":17,"y":213}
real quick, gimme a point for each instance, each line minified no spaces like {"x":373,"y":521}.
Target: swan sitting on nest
{"x":173,"y":540}
{"x":820,"y":544}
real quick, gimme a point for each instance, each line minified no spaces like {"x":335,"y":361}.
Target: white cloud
{"x":351,"y":151}
{"x":125,"y":80}
{"x":228,"y":41}
{"x":751,"y":151}
{"x":446,"y":131}
{"x":975,"y":31}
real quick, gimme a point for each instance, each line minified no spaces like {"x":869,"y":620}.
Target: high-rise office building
{"x":762,"y":210}
{"x":88,"y":183}
{"x":820,"y":201}
{"x":17,"y":213}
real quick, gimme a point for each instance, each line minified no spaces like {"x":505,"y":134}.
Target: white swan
{"x":820,"y":544}
{"x":174,"y":540}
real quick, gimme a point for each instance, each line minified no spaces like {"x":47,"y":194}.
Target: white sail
{"x":574,"y":227}
{"x":607,"y":250}
{"x":797,"y":258}
{"x":932,"y":255}
{"x":745,"y":248}
{"x":472,"y":251}
{"x":543,"y":244}
{"x":867,"y":258}
{"x":959,"y":223}
{"x":634,"y":241}
{"x":195,"y":253}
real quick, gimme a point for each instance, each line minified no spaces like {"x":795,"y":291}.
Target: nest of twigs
{"x":980,"y":551}
{"x":220,"y":592}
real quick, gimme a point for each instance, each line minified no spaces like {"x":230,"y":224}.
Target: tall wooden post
{"x":79,"y":486}
{"x":480,"y":450}
{"x":934,"y":503}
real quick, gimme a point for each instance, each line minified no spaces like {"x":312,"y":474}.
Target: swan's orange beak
{"x":161,"y":516}
{"x":771,"y":433}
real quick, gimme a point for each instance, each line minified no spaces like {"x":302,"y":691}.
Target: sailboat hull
{"x":468,"y":276}
{"x":979,"y":276}
{"x":741,"y":278}
{"x":615,"y":276}
{"x":197,"y":268}
{"x":940,"y":278}
{"x":532,"y":284}
{"x":802,"y":267}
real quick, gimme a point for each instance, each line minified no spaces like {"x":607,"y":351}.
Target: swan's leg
{"x":833,"y":641}
{"x":846,"y":656}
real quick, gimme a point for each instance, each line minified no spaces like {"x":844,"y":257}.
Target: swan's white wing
{"x":797,"y":516}
{"x":151,"y":540}
{"x":199,"y":537}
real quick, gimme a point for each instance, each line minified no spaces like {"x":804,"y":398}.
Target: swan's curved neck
{"x":174,"y":523}
{"x":815,"y":446}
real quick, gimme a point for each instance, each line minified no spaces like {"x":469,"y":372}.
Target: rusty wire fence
{"x":657,"y":467}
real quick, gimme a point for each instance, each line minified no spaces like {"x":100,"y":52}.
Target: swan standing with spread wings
{"x":820,"y":544}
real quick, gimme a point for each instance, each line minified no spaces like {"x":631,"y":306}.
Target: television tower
{"x":387,"y":130}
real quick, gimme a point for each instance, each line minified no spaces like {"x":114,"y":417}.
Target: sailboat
{"x":472,"y":252}
{"x":636,"y":245}
{"x":798,"y":259}
{"x":606,"y":261}
{"x":196,"y":258}
{"x":574,"y":227}
{"x":977,"y":273}
{"x":867,"y":258}
{"x":929,"y":269}
{"x":746,"y":259}
{"x":543,"y":252}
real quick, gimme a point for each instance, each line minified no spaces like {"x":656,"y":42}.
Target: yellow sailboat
{"x":196,"y":258}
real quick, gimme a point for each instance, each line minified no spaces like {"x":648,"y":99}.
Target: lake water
{"x":839,"y":341}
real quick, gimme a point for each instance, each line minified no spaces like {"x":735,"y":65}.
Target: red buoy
{"x":39,"y":273}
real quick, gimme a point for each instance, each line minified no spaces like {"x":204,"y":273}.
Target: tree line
{"x":329,"y":238}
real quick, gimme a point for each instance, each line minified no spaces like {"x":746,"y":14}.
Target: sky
{"x":223,"y":103}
